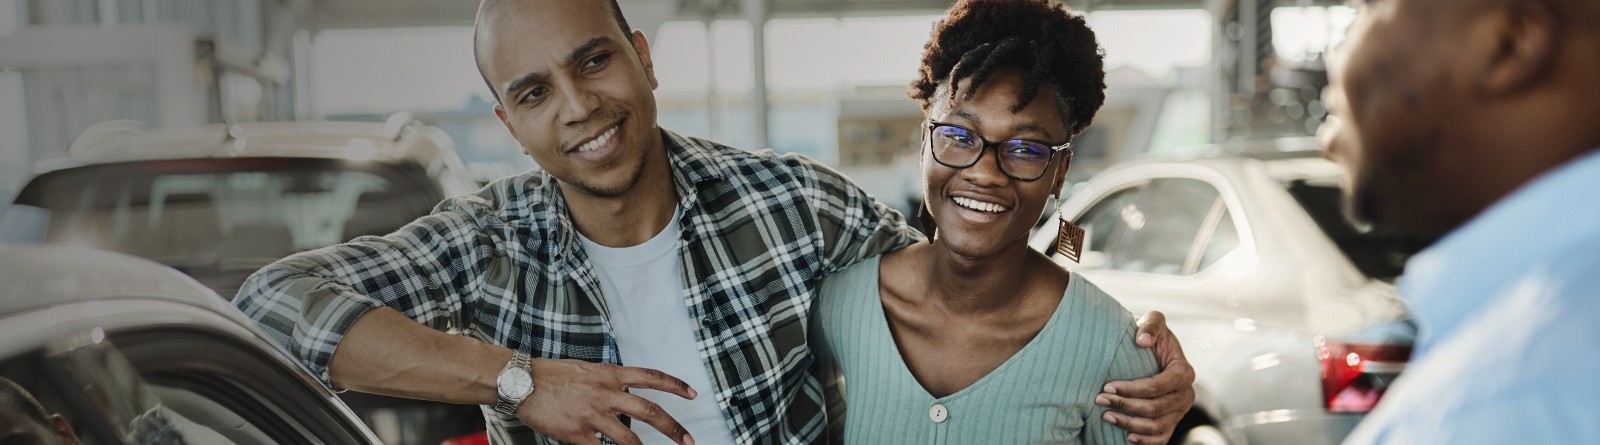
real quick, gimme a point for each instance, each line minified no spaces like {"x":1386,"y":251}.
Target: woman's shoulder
{"x":1096,"y":302}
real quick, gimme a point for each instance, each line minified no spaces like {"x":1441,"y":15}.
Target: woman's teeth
{"x":599,"y":141}
{"x":980,"y":206}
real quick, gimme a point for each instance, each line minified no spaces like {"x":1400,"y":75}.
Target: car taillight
{"x":1354,"y":376}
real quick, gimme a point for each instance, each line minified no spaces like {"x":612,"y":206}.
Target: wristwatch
{"x":514,"y":384}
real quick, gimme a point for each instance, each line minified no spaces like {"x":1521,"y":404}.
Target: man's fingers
{"x":1135,"y":425}
{"x":1152,"y":325}
{"x":654,"y":379}
{"x":1173,"y":379}
{"x":1142,"y":439}
{"x":614,"y":429}
{"x":1133,"y":407}
{"x":642,"y":410}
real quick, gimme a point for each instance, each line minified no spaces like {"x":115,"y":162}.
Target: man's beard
{"x":617,"y":191}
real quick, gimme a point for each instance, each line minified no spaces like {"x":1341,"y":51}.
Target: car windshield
{"x":218,"y":220}
{"x":1378,"y":253}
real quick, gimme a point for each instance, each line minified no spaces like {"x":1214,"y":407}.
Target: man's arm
{"x":854,"y":225}
{"x":1151,"y":408}
{"x":369,"y":315}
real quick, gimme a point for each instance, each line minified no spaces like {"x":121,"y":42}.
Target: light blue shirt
{"x":1508,"y":310}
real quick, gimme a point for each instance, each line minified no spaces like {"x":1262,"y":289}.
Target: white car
{"x":128,"y":351}
{"x":217,"y":202}
{"x":1285,"y":308}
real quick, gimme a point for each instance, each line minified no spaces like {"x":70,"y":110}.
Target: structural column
{"x":755,"y":12}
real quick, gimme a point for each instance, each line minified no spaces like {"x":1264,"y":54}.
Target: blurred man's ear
{"x":641,"y":45}
{"x":63,"y":429}
{"x":1514,"y":47}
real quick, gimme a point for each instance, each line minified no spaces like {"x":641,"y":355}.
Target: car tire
{"x":1204,"y":435}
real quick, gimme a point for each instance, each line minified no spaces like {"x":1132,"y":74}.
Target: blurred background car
{"x":130,"y":351}
{"x":1286,"y":308}
{"x":217,"y":202}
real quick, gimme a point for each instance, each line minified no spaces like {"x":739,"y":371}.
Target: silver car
{"x":217,"y":202}
{"x":1286,"y":309}
{"x":125,"y":350}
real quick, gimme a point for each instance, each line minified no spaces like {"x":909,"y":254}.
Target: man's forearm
{"x":385,"y":352}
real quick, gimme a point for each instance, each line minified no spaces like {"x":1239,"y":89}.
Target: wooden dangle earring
{"x":1069,"y":239}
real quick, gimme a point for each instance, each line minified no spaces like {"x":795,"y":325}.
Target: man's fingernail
{"x":1133,"y":439}
{"x":693,"y":393}
{"x":1109,"y":419}
{"x":1143,"y":338}
{"x":1110,"y":390}
{"x":687,"y":440}
{"x":1102,"y":401}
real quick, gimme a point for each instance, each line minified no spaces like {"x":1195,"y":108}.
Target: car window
{"x":1163,"y":229}
{"x":238,"y":390}
{"x":1224,"y":238}
{"x":81,"y":389}
{"x":1106,"y":221}
{"x":163,"y":388}
{"x":219,"y":220}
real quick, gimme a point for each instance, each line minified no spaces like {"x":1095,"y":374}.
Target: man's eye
{"x":535,"y":94}
{"x":596,"y":62}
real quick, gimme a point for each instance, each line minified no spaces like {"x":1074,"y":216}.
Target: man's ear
{"x":1519,"y":42}
{"x":500,"y":112}
{"x":642,"y":47}
{"x":63,"y":429}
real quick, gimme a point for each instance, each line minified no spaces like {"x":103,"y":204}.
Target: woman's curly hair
{"x":1048,"y":41}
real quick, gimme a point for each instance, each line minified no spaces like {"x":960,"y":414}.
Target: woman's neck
{"x":980,"y":285}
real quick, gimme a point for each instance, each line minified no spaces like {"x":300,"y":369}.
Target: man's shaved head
{"x":489,"y":9}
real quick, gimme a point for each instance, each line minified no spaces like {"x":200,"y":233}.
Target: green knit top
{"x":1044,"y":394}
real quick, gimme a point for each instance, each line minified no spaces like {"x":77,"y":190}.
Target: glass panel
{"x":1223,"y":240}
{"x":1106,"y":220}
{"x":220,"y":220}
{"x":1169,"y":225}
{"x":81,"y":389}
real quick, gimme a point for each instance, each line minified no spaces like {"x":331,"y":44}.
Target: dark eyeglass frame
{"x":930,"y":126}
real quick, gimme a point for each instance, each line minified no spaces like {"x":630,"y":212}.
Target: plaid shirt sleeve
{"x":425,"y":270}
{"x":854,"y":224}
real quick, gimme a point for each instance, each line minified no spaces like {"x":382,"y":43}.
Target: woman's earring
{"x":1069,"y":240}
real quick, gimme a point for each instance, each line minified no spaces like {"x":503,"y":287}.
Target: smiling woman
{"x":972,"y":330}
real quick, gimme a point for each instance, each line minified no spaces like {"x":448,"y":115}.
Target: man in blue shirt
{"x":1480,"y":119}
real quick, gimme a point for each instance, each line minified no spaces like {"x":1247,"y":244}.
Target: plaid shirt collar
{"x":692,"y":168}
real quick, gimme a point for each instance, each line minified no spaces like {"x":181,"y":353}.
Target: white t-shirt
{"x":643,"y":289}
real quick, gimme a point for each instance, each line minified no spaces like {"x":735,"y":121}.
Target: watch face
{"x":514,"y":383}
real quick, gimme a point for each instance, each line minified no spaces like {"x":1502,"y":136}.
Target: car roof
{"x":128,"y":141}
{"x":39,"y":276}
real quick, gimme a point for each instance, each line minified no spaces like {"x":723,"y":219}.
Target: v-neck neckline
{"x":905,"y":370}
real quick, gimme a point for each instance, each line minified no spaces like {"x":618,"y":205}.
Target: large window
{"x":221,"y":219}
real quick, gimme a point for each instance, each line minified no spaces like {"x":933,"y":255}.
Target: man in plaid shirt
{"x":512,"y":268}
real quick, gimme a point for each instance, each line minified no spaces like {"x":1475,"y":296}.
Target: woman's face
{"x":979,"y":210}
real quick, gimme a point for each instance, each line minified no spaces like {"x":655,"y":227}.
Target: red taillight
{"x":470,"y":439}
{"x":1354,"y":376}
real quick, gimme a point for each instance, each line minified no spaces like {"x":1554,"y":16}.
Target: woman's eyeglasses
{"x":1022,"y":159}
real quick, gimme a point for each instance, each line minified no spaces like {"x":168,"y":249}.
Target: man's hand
{"x":1151,"y":407}
{"x":574,"y":400}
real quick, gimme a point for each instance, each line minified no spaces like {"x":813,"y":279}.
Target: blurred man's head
{"x":574,"y":86}
{"x":24,"y":421}
{"x":1444,"y":106}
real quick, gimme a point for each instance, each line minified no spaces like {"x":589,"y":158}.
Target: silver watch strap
{"x":507,"y":406}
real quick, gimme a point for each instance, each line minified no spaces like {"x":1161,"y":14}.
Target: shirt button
{"x":938,"y":413}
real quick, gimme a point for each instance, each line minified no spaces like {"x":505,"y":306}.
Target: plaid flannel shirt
{"x":503,"y":265}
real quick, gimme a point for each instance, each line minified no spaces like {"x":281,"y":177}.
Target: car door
{"x":159,"y":382}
